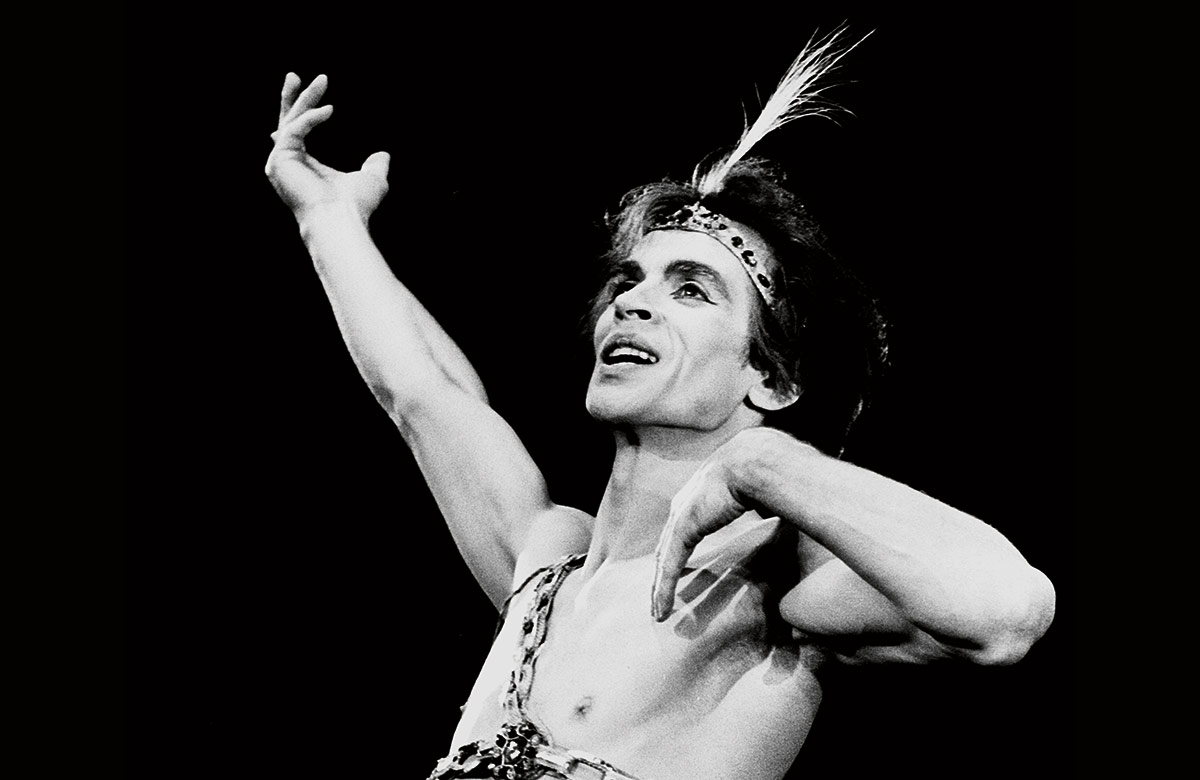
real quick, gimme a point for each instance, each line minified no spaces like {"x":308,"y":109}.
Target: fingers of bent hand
{"x":303,"y":124}
{"x":291,"y":83}
{"x":291,"y":134}
{"x":674,"y":546}
{"x":291,"y":105}
{"x":311,"y":95}
{"x":700,"y":508}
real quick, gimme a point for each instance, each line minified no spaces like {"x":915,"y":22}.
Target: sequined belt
{"x":520,"y":752}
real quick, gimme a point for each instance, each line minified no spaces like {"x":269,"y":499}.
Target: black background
{"x":295,"y":607}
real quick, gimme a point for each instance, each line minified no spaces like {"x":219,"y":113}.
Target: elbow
{"x":1003,"y":650}
{"x":1027,"y":615}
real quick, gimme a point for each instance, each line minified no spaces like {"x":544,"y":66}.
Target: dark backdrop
{"x":296,"y":608}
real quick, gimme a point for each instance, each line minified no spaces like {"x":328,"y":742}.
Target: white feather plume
{"x":798,"y":94}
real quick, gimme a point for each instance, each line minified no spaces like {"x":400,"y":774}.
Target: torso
{"x":721,"y":689}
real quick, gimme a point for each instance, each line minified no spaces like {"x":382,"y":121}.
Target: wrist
{"x":767,"y":459}
{"x":325,"y":217}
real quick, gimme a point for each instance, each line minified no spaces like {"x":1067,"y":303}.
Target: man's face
{"x":671,"y":347}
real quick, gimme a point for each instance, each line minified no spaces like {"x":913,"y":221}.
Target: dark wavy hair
{"x":826,"y":336}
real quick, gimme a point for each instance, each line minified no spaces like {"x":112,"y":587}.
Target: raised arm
{"x":392,"y":339}
{"x":489,"y":490}
{"x":895,"y":575}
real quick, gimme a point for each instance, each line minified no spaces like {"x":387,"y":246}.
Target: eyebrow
{"x":631,"y":269}
{"x":694,"y":268}
{"x":626,"y":268}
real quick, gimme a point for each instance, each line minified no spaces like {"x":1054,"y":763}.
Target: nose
{"x":632,"y":304}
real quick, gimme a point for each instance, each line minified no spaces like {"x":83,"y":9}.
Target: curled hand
{"x":706,"y":503}
{"x":301,"y":181}
{"x":737,"y":478}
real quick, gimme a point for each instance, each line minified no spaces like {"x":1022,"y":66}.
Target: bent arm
{"x":893,"y":575}
{"x":954,"y":578}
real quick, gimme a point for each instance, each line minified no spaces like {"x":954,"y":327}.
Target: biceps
{"x":488,"y":488}
{"x":837,"y":608}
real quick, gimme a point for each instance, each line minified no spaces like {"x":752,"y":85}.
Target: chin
{"x":612,"y":407}
{"x":605,"y":410}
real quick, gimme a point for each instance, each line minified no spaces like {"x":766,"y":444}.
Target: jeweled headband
{"x":798,"y":94}
{"x":752,"y":254}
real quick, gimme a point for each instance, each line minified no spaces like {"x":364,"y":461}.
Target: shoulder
{"x":553,"y":534}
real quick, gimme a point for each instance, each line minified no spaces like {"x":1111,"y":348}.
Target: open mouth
{"x":626,"y":350}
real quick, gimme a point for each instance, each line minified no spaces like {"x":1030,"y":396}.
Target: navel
{"x":582,"y":708}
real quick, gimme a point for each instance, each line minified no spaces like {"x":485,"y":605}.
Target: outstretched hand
{"x":301,"y":181}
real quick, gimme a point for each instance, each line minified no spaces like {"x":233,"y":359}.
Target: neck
{"x":649,"y":467}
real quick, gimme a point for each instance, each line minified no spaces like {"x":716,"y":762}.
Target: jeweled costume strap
{"x":521,"y":750}
{"x":533,"y":633}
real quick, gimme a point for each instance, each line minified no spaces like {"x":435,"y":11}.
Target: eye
{"x":692,"y":290}
{"x":618,"y":286}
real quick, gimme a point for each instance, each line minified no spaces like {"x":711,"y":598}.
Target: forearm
{"x":400,"y":350}
{"x":949,"y":573}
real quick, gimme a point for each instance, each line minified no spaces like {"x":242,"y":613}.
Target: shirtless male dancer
{"x":729,"y":560}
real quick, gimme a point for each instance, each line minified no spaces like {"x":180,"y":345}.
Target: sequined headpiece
{"x":798,"y":94}
{"x":753,"y":255}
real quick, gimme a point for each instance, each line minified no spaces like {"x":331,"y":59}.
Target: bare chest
{"x":605,"y":676}
{"x":607,"y":665}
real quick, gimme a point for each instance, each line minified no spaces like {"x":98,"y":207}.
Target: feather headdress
{"x":799,"y":94}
